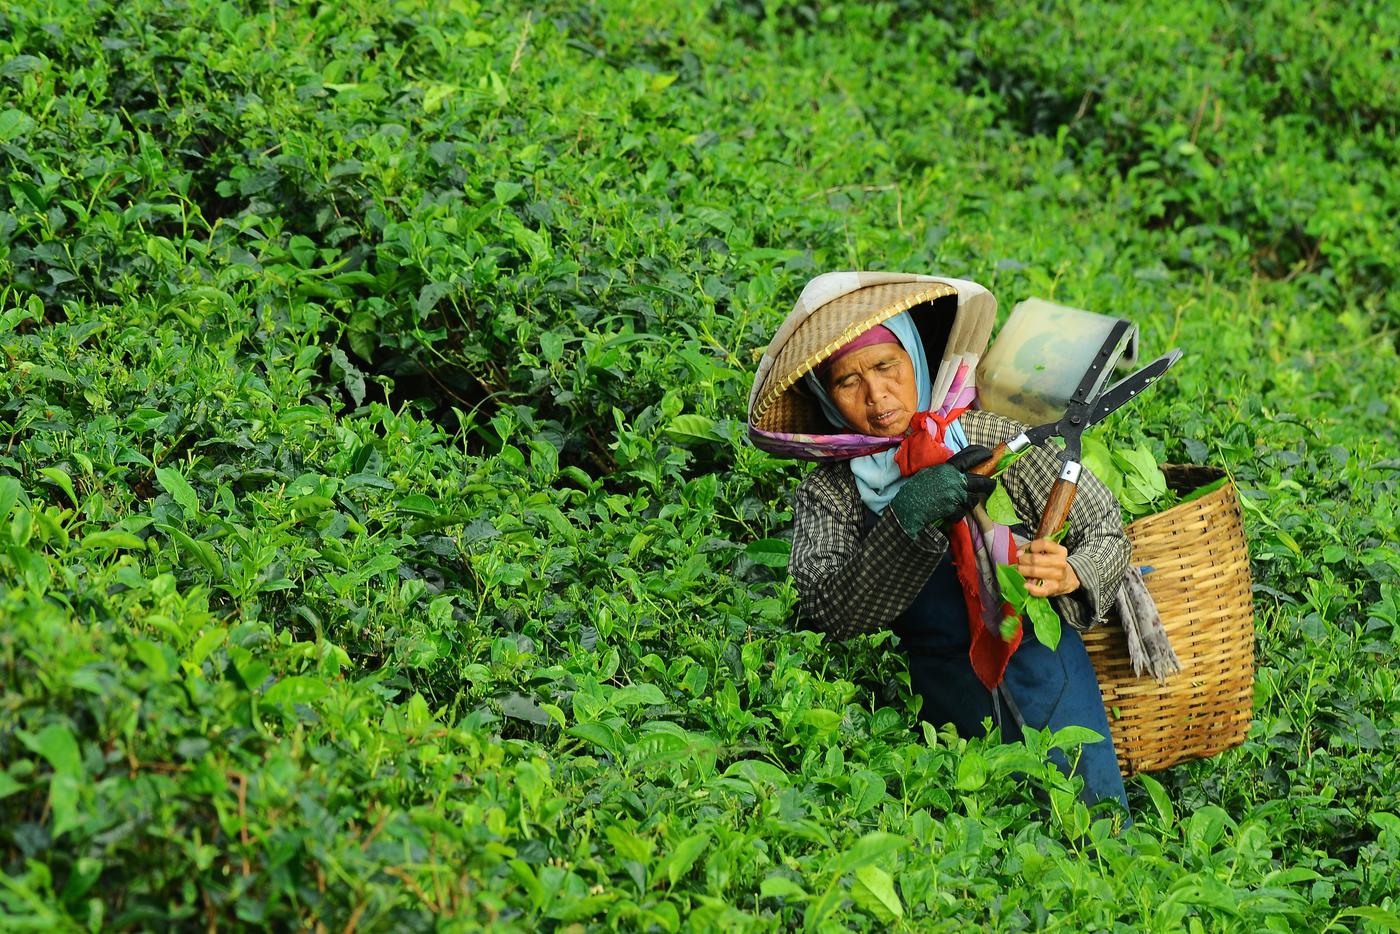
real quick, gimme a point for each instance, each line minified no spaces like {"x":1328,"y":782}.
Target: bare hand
{"x":1047,"y":572}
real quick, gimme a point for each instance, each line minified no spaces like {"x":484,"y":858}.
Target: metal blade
{"x":1042,"y":433}
{"x":1129,"y":386}
{"x":1119,"y":337}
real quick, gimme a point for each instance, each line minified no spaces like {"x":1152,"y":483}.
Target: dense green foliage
{"x":378,"y":543}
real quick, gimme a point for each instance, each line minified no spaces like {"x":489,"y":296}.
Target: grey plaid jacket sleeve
{"x":849,"y":583}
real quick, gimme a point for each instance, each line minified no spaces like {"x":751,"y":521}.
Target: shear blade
{"x":1129,"y":386}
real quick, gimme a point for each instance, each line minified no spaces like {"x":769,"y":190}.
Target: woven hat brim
{"x":826,"y":331}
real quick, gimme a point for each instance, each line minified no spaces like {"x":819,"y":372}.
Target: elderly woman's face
{"x":874,"y":388}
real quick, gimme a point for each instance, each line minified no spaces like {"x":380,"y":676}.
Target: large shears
{"x":1089,"y":405}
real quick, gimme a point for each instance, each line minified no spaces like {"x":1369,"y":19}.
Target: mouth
{"x":883,"y":419}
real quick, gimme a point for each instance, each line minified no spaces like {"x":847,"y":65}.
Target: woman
{"x":875,"y":548}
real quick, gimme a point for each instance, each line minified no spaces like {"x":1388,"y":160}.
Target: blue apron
{"x":1050,"y":689}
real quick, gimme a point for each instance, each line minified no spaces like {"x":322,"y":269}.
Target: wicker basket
{"x":1200,"y":582}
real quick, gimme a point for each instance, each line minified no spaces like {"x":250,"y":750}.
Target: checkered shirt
{"x":851,"y":583}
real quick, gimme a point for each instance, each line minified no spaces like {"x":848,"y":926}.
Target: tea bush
{"x":379,"y":545}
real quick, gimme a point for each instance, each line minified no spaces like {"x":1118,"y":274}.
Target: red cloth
{"x":923,"y":447}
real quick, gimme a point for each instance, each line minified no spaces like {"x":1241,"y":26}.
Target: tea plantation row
{"x":379,"y":549}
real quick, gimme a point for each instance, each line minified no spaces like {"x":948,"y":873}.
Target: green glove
{"x":943,"y":492}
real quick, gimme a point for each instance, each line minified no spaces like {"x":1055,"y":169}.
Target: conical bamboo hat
{"x":834,"y":309}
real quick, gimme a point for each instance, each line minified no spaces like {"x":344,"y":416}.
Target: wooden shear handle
{"x":1061,"y":494}
{"x":1061,"y":498}
{"x":989,"y":466}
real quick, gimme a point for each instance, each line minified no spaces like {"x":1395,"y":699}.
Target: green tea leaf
{"x":632,"y":695}
{"x":1000,"y":508}
{"x":507,"y":191}
{"x":353,"y":379}
{"x":63,"y":803}
{"x":364,"y":343}
{"x":869,"y":849}
{"x":13,"y":124}
{"x":1044,"y":621}
{"x":1386,"y":919}
{"x":873,"y":890}
{"x":57,"y":745}
{"x":1098,"y":460}
{"x":152,"y":655}
{"x":8,"y":785}
{"x":659,"y":749}
{"x":111,"y":540}
{"x":867,"y":790}
{"x":60,"y":479}
{"x":551,"y":347}
{"x":200,"y":550}
{"x":174,"y":483}
{"x":9,"y":494}
{"x":297,"y":689}
{"x":35,"y":568}
{"x":825,"y":722}
{"x":759,"y":772}
{"x":972,"y":771}
{"x":781,"y":887}
{"x":1068,"y":736}
{"x":770,"y":552}
{"x":1161,"y":801}
{"x":86,"y":871}
{"x":1203,"y":491}
{"x":1013,"y":586}
{"x":1206,"y":826}
{"x":693,"y":426}
{"x":311,"y":504}
{"x":684,"y":856}
{"x":519,"y":707}
{"x":1009,"y":458}
{"x":1289,"y":540}
{"x":418,"y":504}
{"x":1387,"y":823}
{"x":599,"y":734}
{"x":207,"y":643}
{"x":1143,"y":480}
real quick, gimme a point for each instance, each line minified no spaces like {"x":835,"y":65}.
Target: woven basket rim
{"x":1172,"y":471}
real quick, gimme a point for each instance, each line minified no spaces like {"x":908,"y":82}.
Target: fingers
{"x":969,"y":457}
{"x":1040,"y":565}
{"x":965,"y":506}
{"x":1044,"y":546}
{"x":1047,"y":571}
{"x":974,"y":489}
{"x":980,"y":486}
{"x":1040,"y":588}
{"x":1053,"y":588}
{"x":1045,"y":583}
